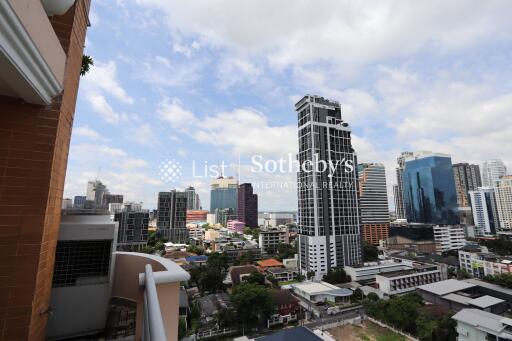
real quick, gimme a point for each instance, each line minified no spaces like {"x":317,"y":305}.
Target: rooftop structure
{"x":321,"y":291}
{"x":474,"y":324}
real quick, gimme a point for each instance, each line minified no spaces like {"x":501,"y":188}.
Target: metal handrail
{"x":154,"y":329}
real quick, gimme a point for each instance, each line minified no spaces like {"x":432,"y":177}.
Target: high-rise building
{"x":133,"y":226}
{"x":492,"y":170}
{"x":223,"y":194}
{"x":399,"y":191}
{"x":113,"y":198}
{"x":429,"y":189}
{"x":79,"y":201}
{"x":485,"y":212}
{"x":193,"y":201}
{"x":172,"y":214}
{"x":41,"y":55}
{"x":97,"y":194}
{"x":503,"y":192}
{"x":373,"y":201}
{"x":467,"y":178}
{"x":449,"y":237}
{"x":328,"y":212}
{"x":247,"y":205}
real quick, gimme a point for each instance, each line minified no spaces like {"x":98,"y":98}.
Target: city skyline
{"x":194,"y":88}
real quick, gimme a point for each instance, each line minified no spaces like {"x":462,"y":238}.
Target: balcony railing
{"x":153,"y":329}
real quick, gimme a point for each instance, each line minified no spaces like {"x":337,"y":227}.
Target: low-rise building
{"x":282,"y":274}
{"x":287,"y":307}
{"x":269,"y":263}
{"x":317,"y":292}
{"x":368,"y":271}
{"x":478,"y":262}
{"x":476,"y":325}
{"x":235,"y":226}
{"x":270,"y":237}
{"x":449,"y":237}
{"x":403,"y":281}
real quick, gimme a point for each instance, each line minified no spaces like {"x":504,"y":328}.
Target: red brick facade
{"x":34,"y":145}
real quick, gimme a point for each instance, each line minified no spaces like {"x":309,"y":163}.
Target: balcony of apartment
{"x":32,"y":59}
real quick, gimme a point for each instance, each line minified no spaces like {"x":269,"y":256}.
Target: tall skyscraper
{"x":503,"y":192}
{"x":485,"y":212}
{"x":429,"y":189}
{"x":172,"y":215}
{"x":399,"y":192}
{"x":133,"y":226}
{"x":373,"y":201}
{"x":79,"y":201}
{"x":41,"y":54}
{"x":328,"y":212}
{"x":223,"y":194}
{"x":467,"y":178}
{"x":492,"y":170}
{"x":247,"y":205}
{"x":97,"y":194}
{"x":193,"y":202}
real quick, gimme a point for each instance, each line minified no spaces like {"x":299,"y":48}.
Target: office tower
{"x":79,"y":201}
{"x":82,"y":278}
{"x":429,"y":189}
{"x":467,"y":178}
{"x":133,"y":226}
{"x":113,"y":199}
{"x":97,"y":194}
{"x":223,"y":215}
{"x":328,"y":212}
{"x":373,"y":201}
{"x":223,"y":193}
{"x":172,"y":214}
{"x":503,"y":192}
{"x":399,"y":192}
{"x":193,"y":202}
{"x":485,"y":212}
{"x":41,"y":54}
{"x":492,"y":170}
{"x":247,"y":205}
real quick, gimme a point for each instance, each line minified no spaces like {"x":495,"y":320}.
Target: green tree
{"x":285,"y":251}
{"x":210,"y":281}
{"x":462,"y":274}
{"x":217,"y":261}
{"x":310,"y":274}
{"x":195,"y":249}
{"x":182,"y":328}
{"x":336,"y":276}
{"x":504,"y":279}
{"x":252,"y":302}
{"x":255,"y":277}
{"x":370,"y":252}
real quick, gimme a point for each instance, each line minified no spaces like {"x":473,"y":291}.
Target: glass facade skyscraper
{"x":429,"y":189}
{"x":224,"y":194}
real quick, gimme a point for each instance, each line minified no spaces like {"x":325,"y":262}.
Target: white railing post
{"x":154,"y":329}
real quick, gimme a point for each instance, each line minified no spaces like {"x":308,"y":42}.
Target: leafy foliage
{"x":217,"y":261}
{"x":370,"y":252}
{"x":337,"y":276}
{"x":210,"y":281}
{"x":499,"y":246}
{"x":87,"y":62}
{"x":504,"y":279}
{"x":285,"y":251}
{"x":255,"y":277}
{"x":252,"y":302}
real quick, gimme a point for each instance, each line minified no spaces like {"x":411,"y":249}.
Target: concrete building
{"x":403,"y":281}
{"x":476,"y":325}
{"x":449,"y":237}
{"x":172,"y":212}
{"x":479,"y":262}
{"x":503,"y":192}
{"x":275,"y":219}
{"x":193,"y":201}
{"x":133,"y":227}
{"x":114,"y":198}
{"x":82,"y":274}
{"x":485,"y":211}
{"x":97,"y":194}
{"x":405,"y":236}
{"x":224,"y":194}
{"x":67,"y":203}
{"x":399,"y":191}
{"x":41,"y":49}
{"x":429,"y":189}
{"x":328,"y":212}
{"x":492,"y":170}
{"x":270,"y":238}
{"x":79,"y":201}
{"x":373,"y":201}
{"x":197,"y":215}
{"x":467,"y":178}
{"x":247,"y":205}
{"x":236,"y":226}
{"x":316,"y":292}
{"x":368,"y":272}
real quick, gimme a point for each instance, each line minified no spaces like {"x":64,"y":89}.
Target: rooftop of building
{"x":271,"y":262}
{"x":485,"y":321}
{"x":498,"y":288}
{"x":291,"y":334}
{"x":315,"y":288}
{"x":446,"y":287}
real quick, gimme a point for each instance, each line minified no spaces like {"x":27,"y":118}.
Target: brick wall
{"x":34,"y":145}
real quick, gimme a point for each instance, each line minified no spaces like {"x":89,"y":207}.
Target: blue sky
{"x":215,"y":81}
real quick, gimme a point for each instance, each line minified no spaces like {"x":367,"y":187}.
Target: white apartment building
{"x":492,"y":170}
{"x":368,"y":272}
{"x":399,"y":282}
{"x":485,"y":212}
{"x":270,"y":238}
{"x":449,"y":237}
{"x":503,"y":192}
{"x":480,"y":263}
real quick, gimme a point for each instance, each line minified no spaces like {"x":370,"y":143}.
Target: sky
{"x":197,"y":84}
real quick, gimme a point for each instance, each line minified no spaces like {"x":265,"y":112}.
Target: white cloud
{"x":173,"y":112}
{"x":160,"y":70}
{"x":134,"y":163}
{"x":85,"y":131}
{"x":101,"y":106}
{"x":103,"y":79}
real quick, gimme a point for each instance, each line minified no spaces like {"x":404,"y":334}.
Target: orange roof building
{"x":269,"y":263}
